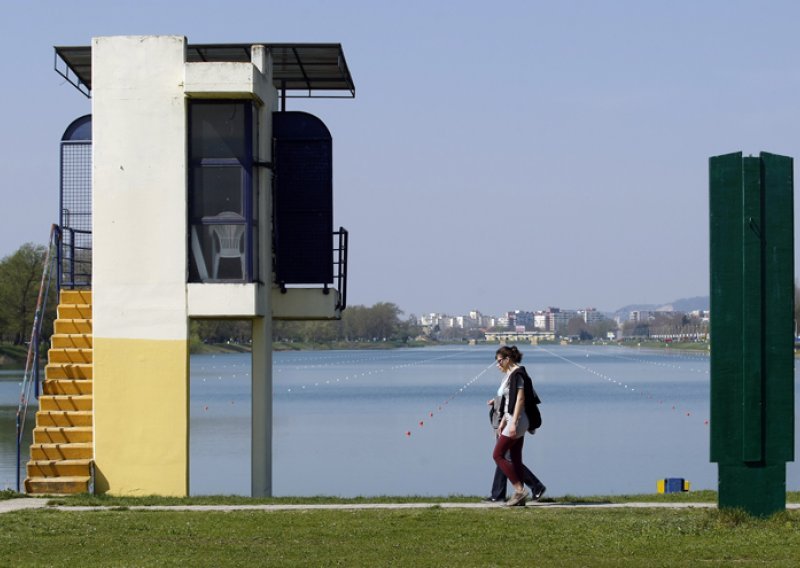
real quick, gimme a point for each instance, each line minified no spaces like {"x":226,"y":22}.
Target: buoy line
{"x":612,"y":380}
{"x":443,"y":405}
{"x":283,"y":366}
{"x":356,"y":375}
{"x":648,"y":362}
{"x":298,"y":364}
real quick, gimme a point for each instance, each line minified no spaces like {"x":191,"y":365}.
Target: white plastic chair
{"x":227,"y":242}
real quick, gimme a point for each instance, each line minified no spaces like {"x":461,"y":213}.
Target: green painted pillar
{"x":752,"y":329}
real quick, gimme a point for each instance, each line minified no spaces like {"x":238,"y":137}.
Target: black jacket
{"x":532,"y":400}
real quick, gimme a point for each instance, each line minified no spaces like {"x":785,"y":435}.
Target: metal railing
{"x":340,"y":263}
{"x":74,"y":258}
{"x":30,"y":380}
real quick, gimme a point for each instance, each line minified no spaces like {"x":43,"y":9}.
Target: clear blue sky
{"x":501,"y":155}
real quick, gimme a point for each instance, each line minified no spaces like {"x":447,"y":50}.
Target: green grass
{"x":410,"y":537}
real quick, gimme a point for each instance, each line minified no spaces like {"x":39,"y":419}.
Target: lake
{"x":415,"y":421}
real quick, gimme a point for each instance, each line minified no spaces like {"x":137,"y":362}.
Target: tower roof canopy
{"x":310,"y":70}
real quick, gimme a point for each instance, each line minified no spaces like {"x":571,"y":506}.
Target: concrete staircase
{"x":63,"y":439}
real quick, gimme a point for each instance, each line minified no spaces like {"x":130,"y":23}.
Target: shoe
{"x":490,"y":500}
{"x":518,"y":499}
{"x":538,"y":493}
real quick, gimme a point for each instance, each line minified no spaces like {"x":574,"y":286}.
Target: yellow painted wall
{"x":141,"y":434}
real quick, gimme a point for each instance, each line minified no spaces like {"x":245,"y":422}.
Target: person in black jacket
{"x":514,"y":422}
{"x":500,"y":481}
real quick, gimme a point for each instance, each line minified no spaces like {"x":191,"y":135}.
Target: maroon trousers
{"x":513,"y":469}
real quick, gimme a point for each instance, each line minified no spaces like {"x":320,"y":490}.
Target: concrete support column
{"x":261,"y":439}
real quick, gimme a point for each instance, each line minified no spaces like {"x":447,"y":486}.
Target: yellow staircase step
{"x":63,"y":418}
{"x":68,"y":371}
{"x":59,"y":468}
{"x":67,"y":386}
{"x":74,"y":311}
{"x":67,"y":355}
{"x":58,"y":485}
{"x":62,"y":435}
{"x":78,"y":451}
{"x":65,"y":402}
{"x":71,"y":341}
{"x":72,"y":326}
{"x":75,"y":297}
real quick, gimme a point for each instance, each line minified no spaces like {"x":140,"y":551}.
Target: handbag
{"x":495,"y":416}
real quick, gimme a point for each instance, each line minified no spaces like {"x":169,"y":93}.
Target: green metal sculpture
{"x":752,"y":329}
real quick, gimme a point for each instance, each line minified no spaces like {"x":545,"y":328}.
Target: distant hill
{"x":682,"y":305}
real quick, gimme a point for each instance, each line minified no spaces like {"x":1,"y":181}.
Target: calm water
{"x":414,"y":422}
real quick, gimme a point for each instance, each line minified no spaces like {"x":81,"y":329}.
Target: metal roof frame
{"x":319,"y":69}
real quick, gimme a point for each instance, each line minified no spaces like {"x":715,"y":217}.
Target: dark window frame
{"x":248,"y":191}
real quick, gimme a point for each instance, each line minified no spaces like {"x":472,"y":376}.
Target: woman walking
{"x":514,"y":422}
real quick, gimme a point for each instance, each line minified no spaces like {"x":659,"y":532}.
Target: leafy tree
{"x":221,"y":331}
{"x":359,"y":323}
{"x":383,"y":319}
{"x":577,"y":327}
{"x":601,"y":327}
{"x":20,"y":280}
{"x":635,"y":329}
{"x":409,"y":329}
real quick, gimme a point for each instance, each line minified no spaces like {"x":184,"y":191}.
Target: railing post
{"x":36,"y":361}
{"x":19,"y":442}
{"x":72,"y":258}
{"x":59,"y":258}
{"x":341,"y":265}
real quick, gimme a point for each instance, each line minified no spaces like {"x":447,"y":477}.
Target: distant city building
{"x":591,"y":315}
{"x":643,"y":316}
{"x":533,"y":337}
{"x":553,"y":320}
{"x":524,"y":319}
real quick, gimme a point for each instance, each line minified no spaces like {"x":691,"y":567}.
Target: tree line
{"x":378,"y":323}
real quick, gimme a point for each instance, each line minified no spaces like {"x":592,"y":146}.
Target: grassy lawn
{"x":416,"y":537}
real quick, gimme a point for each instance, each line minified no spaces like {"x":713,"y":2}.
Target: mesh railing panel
{"x":76,"y":214}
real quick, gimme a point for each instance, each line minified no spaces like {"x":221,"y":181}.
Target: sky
{"x":497,"y":155}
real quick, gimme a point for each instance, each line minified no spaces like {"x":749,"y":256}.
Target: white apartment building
{"x":591,"y":315}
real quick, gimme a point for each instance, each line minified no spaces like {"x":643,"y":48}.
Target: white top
{"x":503,"y":391}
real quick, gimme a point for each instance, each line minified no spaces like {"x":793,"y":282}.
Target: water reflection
{"x":10,"y":385}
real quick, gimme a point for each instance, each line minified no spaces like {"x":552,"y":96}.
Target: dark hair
{"x":511,"y":352}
